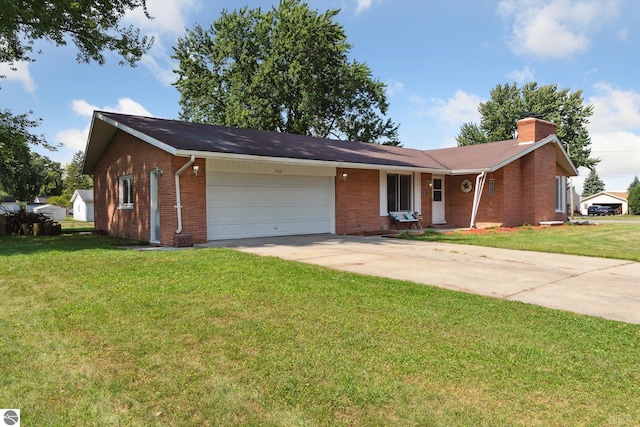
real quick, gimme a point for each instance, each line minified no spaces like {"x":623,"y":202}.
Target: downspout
{"x":178,"y":202}
{"x":476,"y":198}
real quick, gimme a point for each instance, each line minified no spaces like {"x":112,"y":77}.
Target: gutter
{"x":476,"y":197}
{"x":178,"y":202}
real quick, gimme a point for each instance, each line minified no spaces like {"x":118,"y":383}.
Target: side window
{"x":126,"y":191}
{"x":399,"y":192}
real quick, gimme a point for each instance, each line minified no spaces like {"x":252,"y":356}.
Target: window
{"x":126,"y":192}
{"x":398,"y":192}
{"x":561,"y":194}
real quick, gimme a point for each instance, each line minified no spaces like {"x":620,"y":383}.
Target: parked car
{"x":605,"y":210}
{"x":592,"y":210}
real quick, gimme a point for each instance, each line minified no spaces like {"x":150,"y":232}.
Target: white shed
{"x":9,"y":205}
{"x":617,"y":200}
{"x":56,"y":213}
{"x":82,"y":201}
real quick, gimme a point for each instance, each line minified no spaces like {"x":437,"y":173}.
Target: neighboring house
{"x":9,"y":205}
{"x":40,"y":200}
{"x":56,"y":213}
{"x":617,"y":200}
{"x":164,"y":181}
{"x":82,"y":201}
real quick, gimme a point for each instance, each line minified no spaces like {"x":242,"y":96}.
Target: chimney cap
{"x":531,"y":114}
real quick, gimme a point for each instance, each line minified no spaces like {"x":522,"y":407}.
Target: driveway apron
{"x":593,"y":286}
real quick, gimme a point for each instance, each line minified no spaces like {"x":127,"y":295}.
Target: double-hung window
{"x":399,"y":192}
{"x":126,"y":191}
{"x":561,"y":194}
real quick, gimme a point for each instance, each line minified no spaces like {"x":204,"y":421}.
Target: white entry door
{"x":437,"y":200}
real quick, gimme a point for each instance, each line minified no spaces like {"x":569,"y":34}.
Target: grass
{"x":609,"y":218}
{"x":619,"y":241}
{"x":95,"y":335}
{"x":71,"y":225}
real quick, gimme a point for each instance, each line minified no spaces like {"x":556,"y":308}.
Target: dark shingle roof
{"x":185,"y":138}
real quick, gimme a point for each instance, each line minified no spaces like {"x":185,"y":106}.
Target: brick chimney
{"x":533,"y":129}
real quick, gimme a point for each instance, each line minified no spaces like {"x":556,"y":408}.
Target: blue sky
{"x":439,"y":59}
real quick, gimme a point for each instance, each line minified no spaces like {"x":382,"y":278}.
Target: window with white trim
{"x":399,"y":191}
{"x":126,"y":191}
{"x":561,"y":194}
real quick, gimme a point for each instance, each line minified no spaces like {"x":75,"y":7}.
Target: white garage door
{"x":256,"y":205}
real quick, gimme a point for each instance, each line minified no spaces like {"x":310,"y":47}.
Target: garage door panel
{"x":253,"y":205}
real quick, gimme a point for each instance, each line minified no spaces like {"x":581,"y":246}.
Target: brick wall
{"x":492,"y":210}
{"x":358,"y":202}
{"x":524,"y":193}
{"x":126,"y":155}
{"x":458,"y":204}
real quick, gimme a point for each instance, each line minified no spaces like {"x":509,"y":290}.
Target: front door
{"x":437,"y":203}
{"x":155,"y":208}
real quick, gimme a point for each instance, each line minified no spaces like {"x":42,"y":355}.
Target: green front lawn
{"x":95,"y":335}
{"x":619,"y":241}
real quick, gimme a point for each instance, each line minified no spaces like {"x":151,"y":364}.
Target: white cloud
{"x":168,"y":23}
{"x":364,"y":5}
{"x":623,"y":34}
{"x":615,"y":135}
{"x":19,"y":72}
{"x":169,"y":16}
{"x":522,"y":76}
{"x":454,"y":112}
{"x":394,"y":87}
{"x":614,"y":109}
{"x":76,"y":138}
{"x":555,"y":29}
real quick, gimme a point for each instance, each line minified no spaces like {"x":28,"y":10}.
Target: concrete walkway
{"x":593,"y":286}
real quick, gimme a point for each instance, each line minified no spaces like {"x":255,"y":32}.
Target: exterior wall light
{"x":196,"y":168}
{"x":344,"y":176}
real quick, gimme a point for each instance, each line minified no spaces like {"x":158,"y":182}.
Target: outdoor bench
{"x":402,"y":217}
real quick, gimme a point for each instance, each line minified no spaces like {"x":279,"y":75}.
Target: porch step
{"x":445,"y":225}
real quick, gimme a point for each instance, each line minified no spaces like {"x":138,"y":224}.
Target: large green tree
{"x":634,"y":200}
{"x":73,"y":176}
{"x":20,"y":170}
{"x":285,"y":69}
{"x":592,"y":184}
{"x":49,"y":175}
{"x":634,"y":183}
{"x":509,"y":103}
{"x":92,"y":25}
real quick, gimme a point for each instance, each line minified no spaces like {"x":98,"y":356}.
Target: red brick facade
{"x":127,"y":155}
{"x":522,"y":192}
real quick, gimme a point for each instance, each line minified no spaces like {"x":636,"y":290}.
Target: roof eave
{"x":100,"y":136}
{"x":307,"y":162}
{"x":564,"y":160}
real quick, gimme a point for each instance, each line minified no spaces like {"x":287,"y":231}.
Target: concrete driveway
{"x":593,"y":286}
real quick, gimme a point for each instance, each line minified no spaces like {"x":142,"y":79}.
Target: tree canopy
{"x":634,"y":200}
{"x":634,"y":183}
{"x":73,"y":177}
{"x":285,"y":69}
{"x":24,"y":174}
{"x":93,"y":26}
{"x":510,"y":103}
{"x":592,"y":184}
